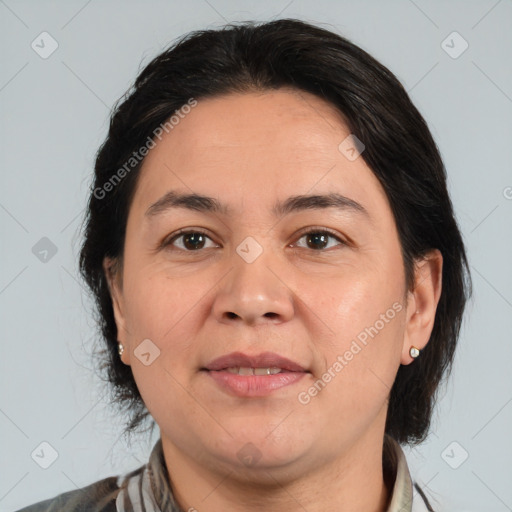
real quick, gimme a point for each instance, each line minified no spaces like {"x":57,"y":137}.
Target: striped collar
{"x":147,"y":488}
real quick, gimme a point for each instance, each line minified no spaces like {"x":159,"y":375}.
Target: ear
{"x":422,"y":303}
{"x":114,"y":281}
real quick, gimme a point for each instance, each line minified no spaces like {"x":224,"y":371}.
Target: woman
{"x":279,"y":275}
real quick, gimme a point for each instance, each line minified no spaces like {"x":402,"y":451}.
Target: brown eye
{"x":193,"y":241}
{"x":318,"y":240}
{"x":190,"y":240}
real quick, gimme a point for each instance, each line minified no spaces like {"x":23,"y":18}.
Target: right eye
{"x":192,"y":240}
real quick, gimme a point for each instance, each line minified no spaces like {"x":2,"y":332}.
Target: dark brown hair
{"x":399,"y":149}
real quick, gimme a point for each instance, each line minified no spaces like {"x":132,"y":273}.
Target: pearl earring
{"x":414,"y":352}
{"x":120,"y":348}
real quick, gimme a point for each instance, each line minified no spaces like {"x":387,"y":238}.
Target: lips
{"x":264,"y":360}
{"x":247,"y":376}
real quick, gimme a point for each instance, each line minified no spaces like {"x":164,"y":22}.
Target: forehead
{"x":253,"y":145}
{"x":264,"y":122}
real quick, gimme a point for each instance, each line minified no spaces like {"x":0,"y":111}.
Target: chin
{"x":258,"y":451}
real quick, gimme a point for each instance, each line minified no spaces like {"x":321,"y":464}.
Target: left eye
{"x":319,"y":239}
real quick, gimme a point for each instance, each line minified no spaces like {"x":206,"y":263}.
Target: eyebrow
{"x":201,"y":203}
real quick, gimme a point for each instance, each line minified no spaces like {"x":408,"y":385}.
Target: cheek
{"x":364,"y":312}
{"x":356,"y":302}
{"x":164,"y":312}
{"x":358,"y":376}
{"x":157,"y":304}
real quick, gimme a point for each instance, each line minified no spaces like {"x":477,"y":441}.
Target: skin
{"x":300,"y":299}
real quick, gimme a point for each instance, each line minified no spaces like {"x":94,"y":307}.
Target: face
{"x":298,"y":268}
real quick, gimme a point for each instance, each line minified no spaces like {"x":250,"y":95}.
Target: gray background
{"x":54,"y":115}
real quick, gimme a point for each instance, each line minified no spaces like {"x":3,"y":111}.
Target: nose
{"x":254,"y":292}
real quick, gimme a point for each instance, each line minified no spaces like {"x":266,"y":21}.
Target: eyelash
{"x":181,"y":233}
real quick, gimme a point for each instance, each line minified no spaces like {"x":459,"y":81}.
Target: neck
{"x":353,"y":481}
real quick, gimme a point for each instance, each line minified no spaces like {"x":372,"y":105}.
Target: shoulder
{"x":97,"y":497}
